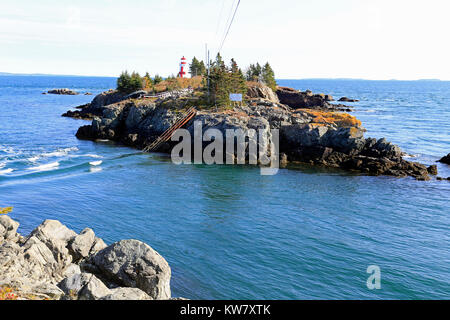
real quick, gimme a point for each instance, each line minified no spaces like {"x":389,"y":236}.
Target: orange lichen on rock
{"x":7,"y":293}
{"x":238,"y":114}
{"x":338,"y":118}
{"x":354,"y":131}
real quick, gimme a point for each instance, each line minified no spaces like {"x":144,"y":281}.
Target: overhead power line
{"x":227,"y":22}
{"x":219,"y":20}
{"x":229,"y":27}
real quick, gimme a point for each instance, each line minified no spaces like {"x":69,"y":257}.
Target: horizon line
{"x":309,"y":78}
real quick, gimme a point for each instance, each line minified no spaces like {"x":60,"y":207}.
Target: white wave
{"x":45,"y":167}
{"x":57,"y":153}
{"x":2,"y":172}
{"x":95,"y":169}
{"x":2,"y":165}
{"x":95,"y":156}
{"x":7,"y":150}
{"x":95,"y":163}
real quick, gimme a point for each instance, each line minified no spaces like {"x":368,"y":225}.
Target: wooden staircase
{"x":169,"y":132}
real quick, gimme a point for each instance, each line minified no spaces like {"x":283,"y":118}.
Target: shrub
{"x":127,"y":83}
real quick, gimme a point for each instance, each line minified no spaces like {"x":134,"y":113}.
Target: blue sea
{"x":228,"y":232}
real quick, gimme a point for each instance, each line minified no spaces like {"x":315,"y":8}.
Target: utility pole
{"x":207,"y":61}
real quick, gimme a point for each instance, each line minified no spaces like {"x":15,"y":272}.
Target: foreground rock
{"x":127,"y":263}
{"x":445,"y":159}
{"x":316,"y":135}
{"x":54,"y":262}
{"x":63,"y":92}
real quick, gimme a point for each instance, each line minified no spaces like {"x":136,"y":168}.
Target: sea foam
{"x":45,"y":167}
{"x":57,"y":153}
{"x":95,"y":163}
{"x":2,"y":172}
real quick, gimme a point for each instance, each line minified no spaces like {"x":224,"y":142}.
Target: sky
{"x":379,"y":40}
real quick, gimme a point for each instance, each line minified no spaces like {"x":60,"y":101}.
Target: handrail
{"x":166,"y":135}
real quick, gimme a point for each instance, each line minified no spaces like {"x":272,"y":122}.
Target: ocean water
{"x":228,"y":232}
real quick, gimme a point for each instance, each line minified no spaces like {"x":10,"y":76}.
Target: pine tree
{"x":136,"y":82}
{"x":238,"y":83}
{"x":254,"y":72}
{"x":220,"y":82}
{"x":201,"y":68}
{"x":268,"y":76}
{"x":123,"y":82}
{"x":157,"y":79}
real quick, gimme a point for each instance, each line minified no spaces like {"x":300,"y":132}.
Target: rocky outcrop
{"x":258,"y":90}
{"x":297,"y":99}
{"x":95,"y":108}
{"x":345,"y":99}
{"x":64,"y":91}
{"x":445,"y":159}
{"x":54,"y":262}
{"x":132,"y":263}
{"x":315,"y":136}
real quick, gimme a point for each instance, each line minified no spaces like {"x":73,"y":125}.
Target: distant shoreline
{"x":309,"y":79}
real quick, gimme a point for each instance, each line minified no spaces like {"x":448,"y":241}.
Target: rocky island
{"x":53,"y":262}
{"x":64,"y":91}
{"x":312,"y":130}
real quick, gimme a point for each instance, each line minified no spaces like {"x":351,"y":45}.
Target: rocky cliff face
{"x":297,"y":99}
{"x":54,"y":262}
{"x":316,"y":136}
{"x":95,"y":108}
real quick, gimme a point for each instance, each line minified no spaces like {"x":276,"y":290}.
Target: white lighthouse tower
{"x":182,"y":72}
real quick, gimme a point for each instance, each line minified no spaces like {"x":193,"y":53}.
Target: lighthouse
{"x":182,"y":73}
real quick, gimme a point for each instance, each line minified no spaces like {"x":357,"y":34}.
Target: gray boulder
{"x":8,"y":228}
{"x":132,"y":263}
{"x":262,"y":91}
{"x":56,"y":237}
{"x":127,"y":294}
{"x":83,"y":286}
{"x":85,"y":244}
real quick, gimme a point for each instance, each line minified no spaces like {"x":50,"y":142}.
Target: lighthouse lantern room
{"x":182,"y":73}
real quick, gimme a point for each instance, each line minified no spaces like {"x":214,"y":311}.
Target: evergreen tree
{"x":268,"y":76}
{"x":254,"y":72}
{"x":238,"y":83}
{"x":127,"y":83}
{"x":220,"y":82}
{"x":201,"y":69}
{"x":157,"y":79}
{"x":136,"y":82}
{"x":197,"y":68}
{"x":123,"y":82}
